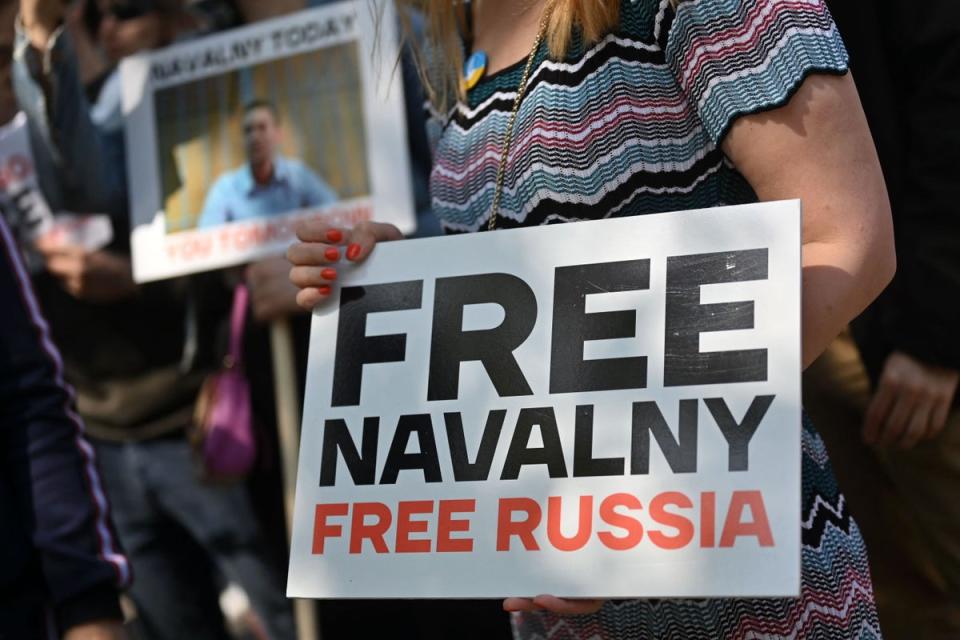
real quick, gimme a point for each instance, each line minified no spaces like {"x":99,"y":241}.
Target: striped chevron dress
{"x":632,"y":125}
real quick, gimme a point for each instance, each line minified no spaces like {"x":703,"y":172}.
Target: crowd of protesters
{"x":99,"y":376}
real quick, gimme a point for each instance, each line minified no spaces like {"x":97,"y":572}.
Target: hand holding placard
{"x":196,"y":207}
{"x":322,"y":246}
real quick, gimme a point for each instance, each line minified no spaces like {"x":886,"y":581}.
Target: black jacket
{"x":57,"y":547}
{"x":905,"y":58}
{"x":138,"y":363}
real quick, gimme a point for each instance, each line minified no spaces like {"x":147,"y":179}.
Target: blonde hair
{"x":446,"y":19}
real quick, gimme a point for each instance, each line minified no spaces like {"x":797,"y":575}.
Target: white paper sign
{"x":21,"y":202}
{"x":89,"y":231}
{"x":599,"y":409}
{"x":27,"y":211}
{"x":236,"y":136}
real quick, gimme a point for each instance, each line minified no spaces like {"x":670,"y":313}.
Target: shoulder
{"x":736,"y":57}
{"x":736,"y":26}
{"x":292,"y":164}
{"x":227,"y":182}
{"x":642,"y":18}
{"x":234,"y":177}
{"x":297,"y":169}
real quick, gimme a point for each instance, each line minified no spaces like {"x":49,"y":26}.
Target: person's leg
{"x":220,"y":518}
{"x":927,"y":479}
{"x":887,"y":503}
{"x":172,"y":588}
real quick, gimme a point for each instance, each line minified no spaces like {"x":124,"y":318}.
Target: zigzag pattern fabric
{"x":632,"y":125}
{"x":836,"y":601}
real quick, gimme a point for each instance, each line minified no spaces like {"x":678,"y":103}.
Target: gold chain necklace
{"x":508,"y":136}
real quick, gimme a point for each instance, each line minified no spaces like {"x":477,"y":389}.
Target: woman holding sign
{"x":584,"y":109}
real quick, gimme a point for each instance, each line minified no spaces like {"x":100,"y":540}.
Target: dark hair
{"x":93,"y":16}
{"x":211,"y":15}
{"x":262,"y":103}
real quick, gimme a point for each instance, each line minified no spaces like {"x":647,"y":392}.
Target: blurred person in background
{"x":60,"y":565}
{"x":268,"y":183}
{"x":61,"y":568}
{"x":886,"y":397}
{"x":136,"y":354}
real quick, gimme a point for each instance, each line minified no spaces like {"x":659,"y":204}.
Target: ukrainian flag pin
{"x":474,"y":69}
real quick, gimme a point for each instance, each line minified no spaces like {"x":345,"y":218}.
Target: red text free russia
{"x":619,"y":521}
{"x":671,"y":521}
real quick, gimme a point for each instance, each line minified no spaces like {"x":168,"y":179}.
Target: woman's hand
{"x":93,"y":276}
{"x":911,"y":404}
{"x":559,"y":606}
{"x":321,"y":247}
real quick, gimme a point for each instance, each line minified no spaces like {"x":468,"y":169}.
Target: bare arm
{"x":818,"y":148}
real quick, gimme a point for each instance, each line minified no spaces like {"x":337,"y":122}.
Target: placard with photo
{"x":238,"y":135}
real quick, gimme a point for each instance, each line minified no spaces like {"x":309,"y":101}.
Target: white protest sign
{"x":598,"y":409}
{"x":27,"y":211}
{"x":90,"y":231}
{"x":237,"y":135}
{"x":23,"y":205}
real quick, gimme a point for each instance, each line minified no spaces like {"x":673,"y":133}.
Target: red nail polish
{"x":329,"y":274}
{"x":334,"y":235}
{"x":353,"y":252}
{"x":324,"y":290}
{"x":332,"y":254}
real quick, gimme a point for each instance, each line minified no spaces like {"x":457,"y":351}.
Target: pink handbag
{"x":223,"y":436}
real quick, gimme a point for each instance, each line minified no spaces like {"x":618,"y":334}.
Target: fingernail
{"x":334,"y":235}
{"x":324,"y":290}
{"x":353,"y":251}
{"x":329,"y":274}
{"x":332,"y":254}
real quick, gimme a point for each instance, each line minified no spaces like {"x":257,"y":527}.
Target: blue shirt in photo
{"x":236,"y":196}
